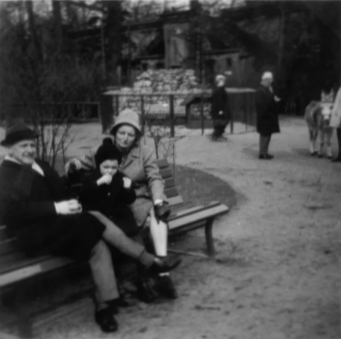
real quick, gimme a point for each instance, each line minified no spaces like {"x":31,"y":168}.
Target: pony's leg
{"x":321,"y":143}
{"x":329,"y":144}
{"x":312,"y":139}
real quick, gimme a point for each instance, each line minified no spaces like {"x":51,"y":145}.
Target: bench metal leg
{"x":209,"y":237}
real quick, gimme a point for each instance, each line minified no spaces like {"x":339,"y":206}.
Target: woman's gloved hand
{"x":162,"y":211}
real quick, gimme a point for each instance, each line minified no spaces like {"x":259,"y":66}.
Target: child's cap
{"x":107,"y":151}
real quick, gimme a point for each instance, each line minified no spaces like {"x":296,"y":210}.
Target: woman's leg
{"x":159,"y":234}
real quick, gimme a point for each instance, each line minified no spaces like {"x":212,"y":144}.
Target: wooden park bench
{"x":16,"y":270}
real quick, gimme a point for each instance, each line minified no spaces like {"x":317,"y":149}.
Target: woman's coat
{"x":335,"y":120}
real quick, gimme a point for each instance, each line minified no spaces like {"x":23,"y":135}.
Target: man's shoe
{"x":270,"y":156}
{"x":264,"y":157}
{"x":166,"y":287}
{"x":163,"y":265}
{"x":106,"y":320}
{"x":213,"y":137}
{"x":145,"y":291}
{"x":222,"y":138}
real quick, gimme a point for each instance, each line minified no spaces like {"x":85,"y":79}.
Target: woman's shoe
{"x":145,"y":291}
{"x":166,"y":287}
{"x":163,"y":265}
{"x":106,"y":320}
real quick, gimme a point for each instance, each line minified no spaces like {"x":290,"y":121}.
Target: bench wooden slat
{"x":175,"y":200}
{"x":11,"y":260}
{"x":33,"y":269}
{"x":166,"y":173}
{"x":161,"y":163}
{"x":192,"y":210}
{"x":199,"y":215}
{"x":3,"y":234}
{"x":6,"y":246}
{"x":171,"y":192}
{"x":169,"y":183}
{"x":188,"y":228}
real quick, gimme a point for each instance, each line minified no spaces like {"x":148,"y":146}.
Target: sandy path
{"x":284,"y":237}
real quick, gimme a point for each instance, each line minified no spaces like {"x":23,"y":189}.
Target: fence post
{"x":232,"y":108}
{"x":202,"y":114}
{"x":171,"y":114}
{"x":117,"y":105}
{"x":244,"y":103}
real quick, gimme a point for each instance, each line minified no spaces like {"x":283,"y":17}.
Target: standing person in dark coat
{"x":109,"y":191}
{"x":267,"y":119}
{"x":220,"y":109}
{"x":42,"y":215}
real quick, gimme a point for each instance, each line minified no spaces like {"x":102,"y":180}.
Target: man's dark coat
{"x":27,"y":208}
{"x":267,"y":119}
{"x":220,"y":104}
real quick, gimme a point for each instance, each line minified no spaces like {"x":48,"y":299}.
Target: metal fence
{"x":71,"y":111}
{"x":191,"y":109}
{"x":174,"y":108}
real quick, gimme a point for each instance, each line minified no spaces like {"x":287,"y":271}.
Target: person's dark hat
{"x":16,"y":132}
{"x":107,"y":151}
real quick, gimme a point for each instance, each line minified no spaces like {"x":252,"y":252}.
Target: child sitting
{"x":108,"y":191}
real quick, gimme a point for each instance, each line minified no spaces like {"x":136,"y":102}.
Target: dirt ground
{"x":277,"y":273}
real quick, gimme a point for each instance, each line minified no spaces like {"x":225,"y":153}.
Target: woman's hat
{"x":16,"y":132}
{"x":128,"y":117}
{"x":267,"y":75}
{"x":107,"y":151}
{"x":219,"y":78}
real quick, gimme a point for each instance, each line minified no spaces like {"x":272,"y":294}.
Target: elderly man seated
{"x":46,"y":219}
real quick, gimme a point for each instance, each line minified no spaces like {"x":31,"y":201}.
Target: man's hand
{"x":68,"y":207}
{"x":162,"y":212}
{"x":104,"y":180}
{"x":126,"y":182}
{"x":73,"y":165}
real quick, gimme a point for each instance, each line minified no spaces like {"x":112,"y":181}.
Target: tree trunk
{"x":281,"y":42}
{"x":57,"y":22}
{"x":113,"y":34}
{"x":33,"y":31}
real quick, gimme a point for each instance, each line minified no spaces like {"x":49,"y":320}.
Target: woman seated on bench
{"x":139,"y":164}
{"x":45,"y":219}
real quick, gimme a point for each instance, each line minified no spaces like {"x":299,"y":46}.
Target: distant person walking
{"x":335,"y":122}
{"x":220,"y":109}
{"x":267,"y":119}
